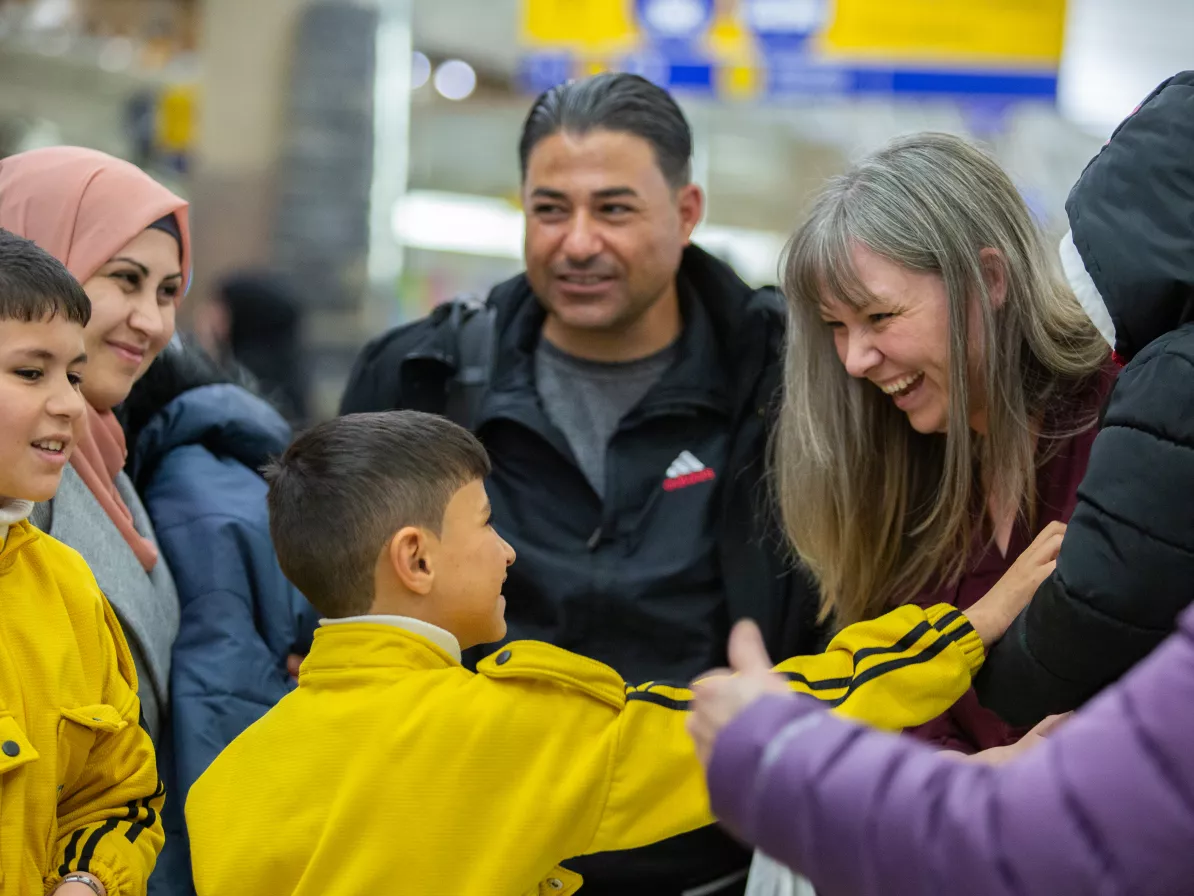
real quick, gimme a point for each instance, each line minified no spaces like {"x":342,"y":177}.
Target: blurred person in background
{"x":198,"y":439}
{"x":627,"y":416}
{"x":126,"y":238}
{"x":255,"y":320}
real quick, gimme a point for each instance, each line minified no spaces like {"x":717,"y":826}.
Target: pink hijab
{"x":83,"y":206}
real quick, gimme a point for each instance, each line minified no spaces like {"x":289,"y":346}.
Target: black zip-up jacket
{"x":649,"y":579}
{"x":1126,"y":567}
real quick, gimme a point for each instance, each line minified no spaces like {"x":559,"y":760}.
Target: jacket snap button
{"x":503,"y":658}
{"x":11,"y":748}
{"x":555,"y":883}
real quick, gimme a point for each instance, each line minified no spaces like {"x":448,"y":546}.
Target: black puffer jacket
{"x":1126,"y":568}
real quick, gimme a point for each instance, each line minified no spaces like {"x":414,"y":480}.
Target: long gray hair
{"x":877,"y":511}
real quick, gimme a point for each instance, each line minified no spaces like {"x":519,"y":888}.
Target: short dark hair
{"x":342,"y":489}
{"x":34,"y":285}
{"x":614,"y":101}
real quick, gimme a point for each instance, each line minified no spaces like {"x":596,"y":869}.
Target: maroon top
{"x":968,"y":726}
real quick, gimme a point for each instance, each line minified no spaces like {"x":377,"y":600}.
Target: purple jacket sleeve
{"x":1105,"y":806}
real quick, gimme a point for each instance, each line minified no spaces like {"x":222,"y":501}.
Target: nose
{"x":510,"y":555}
{"x":583,"y":241}
{"x":147,"y":317}
{"x":66,"y":401}
{"x":858,"y":352}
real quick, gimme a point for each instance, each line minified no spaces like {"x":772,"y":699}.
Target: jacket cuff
{"x":740,"y":754}
{"x":116,"y":884}
{"x":955,"y":627}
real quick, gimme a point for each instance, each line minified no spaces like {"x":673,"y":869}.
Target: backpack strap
{"x":472,"y":322}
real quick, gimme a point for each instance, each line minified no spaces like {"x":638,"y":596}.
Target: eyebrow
{"x":41,"y":354}
{"x":142,"y":268}
{"x":615,"y":192}
{"x":607,"y":193}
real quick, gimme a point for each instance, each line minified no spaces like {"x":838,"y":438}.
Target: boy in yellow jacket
{"x":79,"y":789}
{"x":393,"y":769}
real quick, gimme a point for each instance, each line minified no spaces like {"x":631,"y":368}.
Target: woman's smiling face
{"x":900,"y":341}
{"x":134,"y":297}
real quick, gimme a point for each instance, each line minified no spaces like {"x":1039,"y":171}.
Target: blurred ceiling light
{"x":47,"y":15}
{"x":455,"y":222}
{"x":420,"y":70}
{"x":117,"y":55}
{"x":455,"y":79}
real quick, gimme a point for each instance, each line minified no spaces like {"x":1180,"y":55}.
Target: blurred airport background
{"x":362,"y":153}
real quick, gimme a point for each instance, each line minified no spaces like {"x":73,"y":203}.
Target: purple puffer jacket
{"x":1105,"y":807}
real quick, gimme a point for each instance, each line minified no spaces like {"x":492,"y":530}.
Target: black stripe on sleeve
{"x":135,"y":828}
{"x":947,"y":620}
{"x":824,"y":684}
{"x":93,"y":842}
{"x":917,"y":632}
{"x":892,"y":665}
{"x":69,"y":855}
{"x":660,"y":700}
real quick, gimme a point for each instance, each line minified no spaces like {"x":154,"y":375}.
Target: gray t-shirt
{"x":588,"y":399}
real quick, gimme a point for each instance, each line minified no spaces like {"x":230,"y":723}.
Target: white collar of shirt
{"x":441,"y":638}
{"x":12,"y":511}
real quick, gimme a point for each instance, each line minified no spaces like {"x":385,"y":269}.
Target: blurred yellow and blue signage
{"x":776,"y":48}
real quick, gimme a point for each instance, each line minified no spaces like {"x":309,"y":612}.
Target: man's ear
{"x":994,"y":267}
{"x":410,"y":557}
{"x":690,"y":202}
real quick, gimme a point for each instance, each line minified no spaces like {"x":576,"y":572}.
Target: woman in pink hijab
{"x":126,"y":238}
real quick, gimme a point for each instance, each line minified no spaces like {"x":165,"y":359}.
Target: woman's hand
{"x":1031,"y":740}
{"x":719,"y":698}
{"x":997,"y":609}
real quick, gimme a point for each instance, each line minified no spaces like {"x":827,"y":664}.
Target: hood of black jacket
{"x":1132,"y":218}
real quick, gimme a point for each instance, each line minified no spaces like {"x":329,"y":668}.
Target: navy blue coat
{"x":197,"y":465}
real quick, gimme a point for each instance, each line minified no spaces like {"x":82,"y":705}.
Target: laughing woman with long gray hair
{"x":941,"y":393}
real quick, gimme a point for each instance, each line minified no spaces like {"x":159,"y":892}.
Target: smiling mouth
{"x":52,"y":449}
{"x":904,"y":385}
{"x":132,"y":353}
{"x":585,"y":279}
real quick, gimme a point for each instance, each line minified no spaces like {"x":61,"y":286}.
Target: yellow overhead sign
{"x":1020,"y":33}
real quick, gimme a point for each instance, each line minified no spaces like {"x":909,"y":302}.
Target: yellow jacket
{"x":392,"y":769}
{"x":79,"y":787}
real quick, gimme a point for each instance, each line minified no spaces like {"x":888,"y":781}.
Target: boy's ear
{"x":410,"y":558}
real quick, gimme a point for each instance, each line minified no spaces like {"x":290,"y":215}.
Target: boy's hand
{"x":717,"y":700}
{"x":997,"y":609}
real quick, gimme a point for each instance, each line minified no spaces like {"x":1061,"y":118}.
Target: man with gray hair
{"x":627,"y":412}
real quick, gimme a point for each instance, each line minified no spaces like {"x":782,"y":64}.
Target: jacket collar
{"x":441,"y":638}
{"x":352,"y":647}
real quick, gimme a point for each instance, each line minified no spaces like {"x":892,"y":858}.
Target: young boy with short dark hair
{"x":79,"y":789}
{"x":393,"y":769}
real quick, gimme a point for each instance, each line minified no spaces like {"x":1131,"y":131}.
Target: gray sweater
{"x":145,"y":603}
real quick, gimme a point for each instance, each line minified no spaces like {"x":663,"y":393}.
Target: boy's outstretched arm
{"x":109,"y":821}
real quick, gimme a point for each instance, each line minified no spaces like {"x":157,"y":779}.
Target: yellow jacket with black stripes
{"x":79,"y":788}
{"x":393,"y":769}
